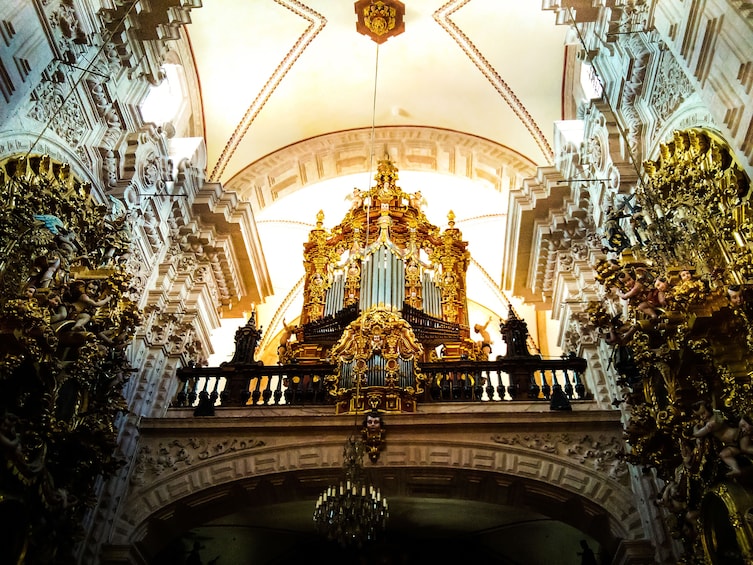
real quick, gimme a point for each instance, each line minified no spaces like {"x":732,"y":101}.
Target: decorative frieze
{"x":172,"y":456}
{"x":596,"y":452}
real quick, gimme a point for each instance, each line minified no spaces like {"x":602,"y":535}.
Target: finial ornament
{"x":380,"y":19}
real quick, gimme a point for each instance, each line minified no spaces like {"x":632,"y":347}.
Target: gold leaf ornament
{"x":379,"y":18}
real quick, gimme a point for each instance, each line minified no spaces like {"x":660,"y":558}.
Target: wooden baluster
{"x":307,"y":391}
{"x":447,"y":386}
{"x":435,"y":388}
{"x":296,"y":387}
{"x":456,"y":392}
{"x":215,"y":391}
{"x":278,"y":389}
{"x":256,"y":394}
{"x":490,"y":385}
{"x":245,"y":395}
{"x":478,"y":389}
{"x":267,"y":394}
{"x":568,"y":388}
{"x":545,"y":388}
{"x":289,"y":390}
{"x":205,"y":407}
{"x":180,"y":399}
{"x":559,"y":400}
{"x":319,"y":393}
{"x":513,"y":388}
{"x":580,"y":388}
{"x":192,"y":395}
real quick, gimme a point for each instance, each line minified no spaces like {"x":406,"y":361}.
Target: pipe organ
{"x":381,"y":290}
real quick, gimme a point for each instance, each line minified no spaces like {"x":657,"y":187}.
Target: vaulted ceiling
{"x":276,"y":72}
{"x":298,"y":106}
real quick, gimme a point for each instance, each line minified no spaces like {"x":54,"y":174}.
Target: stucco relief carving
{"x":568,"y":245}
{"x":592,"y":155}
{"x":155,"y":172}
{"x":598,"y":453}
{"x":143,"y":49}
{"x":66,"y":29}
{"x":633,"y":91}
{"x":671,"y":88}
{"x":594,"y":151}
{"x":150,"y":225}
{"x":199,"y":261}
{"x":145,"y":160}
{"x":66,"y":120}
{"x":138,"y":265}
{"x":579,"y":333}
{"x":108,"y":113}
{"x":181,"y":335}
{"x":161,"y":327}
{"x":165,"y":457}
{"x":190,"y":466}
{"x":565,"y":262}
{"x":202,"y":274}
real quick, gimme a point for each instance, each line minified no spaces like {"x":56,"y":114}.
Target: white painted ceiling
{"x":273,"y":73}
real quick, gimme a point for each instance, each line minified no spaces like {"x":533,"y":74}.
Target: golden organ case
{"x":383,"y":289}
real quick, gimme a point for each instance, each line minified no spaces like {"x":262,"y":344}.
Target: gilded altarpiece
{"x":67,"y":315}
{"x":678,"y":320}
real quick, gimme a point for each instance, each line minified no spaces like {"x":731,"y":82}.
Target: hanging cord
{"x":373,"y":118}
{"x":368,"y":200}
{"x":371,"y":147}
{"x":86,"y":70}
{"x":605,"y":97}
{"x":643,"y":183}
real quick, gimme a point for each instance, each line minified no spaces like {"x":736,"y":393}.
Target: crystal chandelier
{"x":352,"y":512}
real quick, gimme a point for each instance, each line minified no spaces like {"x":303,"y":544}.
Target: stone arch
{"x":457,"y":484}
{"x":253,"y":473}
{"x":692,"y":114}
{"x":347,"y":152}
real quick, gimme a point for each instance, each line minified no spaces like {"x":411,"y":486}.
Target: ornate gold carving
{"x":684,"y":354}
{"x":387,"y":215}
{"x":65,"y":320}
{"x":696,"y":200}
{"x":383,"y":258}
{"x":726,"y":518}
{"x":380,"y":19}
{"x":372,"y":434}
{"x":372,"y":355}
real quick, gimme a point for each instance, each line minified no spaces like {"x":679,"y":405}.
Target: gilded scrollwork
{"x":375,"y":357}
{"x":66,"y":318}
{"x":369,"y":281}
{"x":676,"y":314}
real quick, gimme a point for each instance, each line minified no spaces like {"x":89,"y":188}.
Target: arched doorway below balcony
{"x":436,"y":515}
